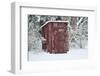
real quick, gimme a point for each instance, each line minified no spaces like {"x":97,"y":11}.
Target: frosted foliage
{"x":34,"y":41}
{"x":79,"y":35}
{"x":34,"y":37}
{"x":77,"y":28}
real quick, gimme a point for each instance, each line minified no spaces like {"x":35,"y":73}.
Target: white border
{"x":19,"y":38}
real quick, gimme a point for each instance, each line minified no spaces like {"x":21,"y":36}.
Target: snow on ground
{"x":71,"y":54}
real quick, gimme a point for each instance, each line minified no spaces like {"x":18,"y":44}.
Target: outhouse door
{"x":60,"y":38}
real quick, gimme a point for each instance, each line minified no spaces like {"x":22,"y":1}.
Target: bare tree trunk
{"x":80,"y":43}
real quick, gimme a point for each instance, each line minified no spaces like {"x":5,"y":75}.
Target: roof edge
{"x":52,"y":21}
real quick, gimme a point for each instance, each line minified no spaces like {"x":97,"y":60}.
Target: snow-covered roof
{"x":52,"y":21}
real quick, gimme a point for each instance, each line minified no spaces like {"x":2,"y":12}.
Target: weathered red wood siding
{"x":56,"y":36}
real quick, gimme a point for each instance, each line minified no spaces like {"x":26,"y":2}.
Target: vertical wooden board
{"x":49,"y":38}
{"x":52,"y":37}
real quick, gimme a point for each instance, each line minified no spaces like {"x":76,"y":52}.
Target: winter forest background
{"x":78,"y":30}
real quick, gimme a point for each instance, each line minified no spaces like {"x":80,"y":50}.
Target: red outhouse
{"x":55,"y":36}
